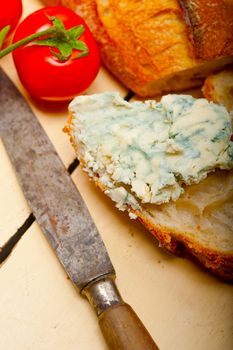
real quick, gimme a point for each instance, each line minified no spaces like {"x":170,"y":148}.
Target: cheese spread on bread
{"x":144,"y":152}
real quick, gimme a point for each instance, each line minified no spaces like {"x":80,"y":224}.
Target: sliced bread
{"x":154,"y":47}
{"x":219,"y":88}
{"x":184,"y":208}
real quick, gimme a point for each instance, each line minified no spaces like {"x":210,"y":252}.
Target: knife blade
{"x":65,"y":221}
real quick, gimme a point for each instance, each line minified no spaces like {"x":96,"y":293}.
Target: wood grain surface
{"x":182,"y":306}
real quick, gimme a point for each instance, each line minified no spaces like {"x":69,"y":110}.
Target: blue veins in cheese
{"x":145,"y":152}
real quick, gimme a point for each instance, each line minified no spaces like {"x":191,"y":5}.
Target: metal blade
{"x":50,"y":192}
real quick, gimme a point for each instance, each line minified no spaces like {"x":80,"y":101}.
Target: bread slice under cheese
{"x":152,"y":159}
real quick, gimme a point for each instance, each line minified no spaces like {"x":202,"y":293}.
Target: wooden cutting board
{"x":183,"y":306}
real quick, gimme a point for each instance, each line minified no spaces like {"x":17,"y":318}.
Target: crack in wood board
{"x":7,"y":248}
{"x":129,"y":95}
{"x":71,"y":168}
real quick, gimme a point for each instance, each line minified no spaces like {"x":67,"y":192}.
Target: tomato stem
{"x":3,"y":33}
{"x":26,"y":40}
{"x":65,"y":40}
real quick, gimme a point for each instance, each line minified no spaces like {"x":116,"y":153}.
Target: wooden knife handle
{"x":121,"y":327}
{"x":123,"y":330}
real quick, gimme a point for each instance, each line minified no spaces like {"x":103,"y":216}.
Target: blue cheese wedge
{"x":145,"y":152}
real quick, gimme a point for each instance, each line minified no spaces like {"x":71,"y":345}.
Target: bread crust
{"x":219,"y":88}
{"x":210,"y":25}
{"x":217,"y":262}
{"x":154,"y":50}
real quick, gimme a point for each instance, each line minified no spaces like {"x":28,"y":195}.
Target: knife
{"x":64,"y":219}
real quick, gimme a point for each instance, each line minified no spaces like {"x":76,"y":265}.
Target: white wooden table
{"x":182,"y":305}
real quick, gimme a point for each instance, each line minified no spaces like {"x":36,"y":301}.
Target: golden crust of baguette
{"x":215,"y":260}
{"x":210,"y":25}
{"x":179,"y":238}
{"x":219,"y":88}
{"x":158,"y":46}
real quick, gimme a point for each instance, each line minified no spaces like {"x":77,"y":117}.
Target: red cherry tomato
{"x":10,"y":13}
{"x":41,"y":73}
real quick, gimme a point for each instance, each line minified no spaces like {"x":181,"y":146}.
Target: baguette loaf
{"x":219,"y":88}
{"x":154,"y":47}
{"x":163,"y":183}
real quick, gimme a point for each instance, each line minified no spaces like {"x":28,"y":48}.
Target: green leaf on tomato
{"x":64,"y":40}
